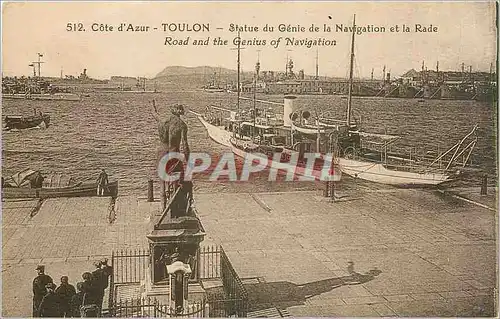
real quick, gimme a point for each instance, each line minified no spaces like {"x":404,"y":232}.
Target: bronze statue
{"x":173,"y":132}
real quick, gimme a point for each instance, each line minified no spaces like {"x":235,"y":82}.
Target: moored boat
{"x":23,"y":122}
{"x":287,"y":160}
{"x":48,"y":96}
{"x":217,"y":133}
{"x":212,"y":89}
{"x":377,"y":164}
{"x":24,"y":185}
{"x":79,"y":190}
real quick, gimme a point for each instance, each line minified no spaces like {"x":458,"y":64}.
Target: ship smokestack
{"x":288,"y":109}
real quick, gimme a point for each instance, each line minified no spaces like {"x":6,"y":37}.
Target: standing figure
{"x":65,"y":292}
{"x":49,"y":307}
{"x":172,"y":133}
{"x":108,"y":272}
{"x":77,"y":300}
{"x":89,"y":288}
{"x":36,"y":181}
{"x":100,"y":280}
{"x":97,"y":283}
{"x":102,"y":183}
{"x":39,"y":288}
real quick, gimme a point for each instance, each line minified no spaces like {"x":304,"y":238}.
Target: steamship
{"x":376,"y":164}
{"x":251,"y":132}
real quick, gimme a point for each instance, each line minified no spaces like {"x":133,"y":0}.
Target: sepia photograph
{"x":249,"y":159}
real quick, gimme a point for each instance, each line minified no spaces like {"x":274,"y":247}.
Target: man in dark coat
{"x":107,"y":271}
{"x":39,"y":288}
{"x":65,"y":292}
{"x":100,"y":279}
{"x":89,"y":288}
{"x":77,"y":300}
{"x":99,"y":283}
{"x":49,"y":307}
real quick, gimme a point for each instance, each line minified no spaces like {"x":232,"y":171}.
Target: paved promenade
{"x":66,"y":235}
{"x":412,"y":252}
{"x":420,"y":253}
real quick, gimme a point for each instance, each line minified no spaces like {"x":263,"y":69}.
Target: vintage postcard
{"x":249,"y":159}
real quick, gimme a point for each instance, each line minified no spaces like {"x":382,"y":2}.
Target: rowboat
{"x":23,"y":122}
{"x":19,"y":185}
{"x":78,"y":190}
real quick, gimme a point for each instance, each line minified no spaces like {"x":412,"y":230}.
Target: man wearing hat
{"x":65,"y":292}
{"x":98,"y":282}
{"x":39,"y":288}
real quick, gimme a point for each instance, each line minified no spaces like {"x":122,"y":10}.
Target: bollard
{"x":326,"y":189}
{"x":484,"y":185}
{"x":163,"y":195}
{"x":151,"y":197}
{"x":332,"y":190}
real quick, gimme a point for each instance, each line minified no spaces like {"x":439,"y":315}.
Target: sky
{"x":466,"y":34}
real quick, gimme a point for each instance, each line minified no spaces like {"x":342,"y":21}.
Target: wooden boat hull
{"x":378,"y":173}
{"x":217,"y":133}
{"x":124,"y":91}
{"x":24,"y":122}
{"x":50,"y":97}
{"x":81,"y":190}
{"x":317,"y":172}
{"x":214,"y":90}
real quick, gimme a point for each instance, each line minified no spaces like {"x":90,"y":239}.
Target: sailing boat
{"x":382,"y":166}
{"x":220,"y":128}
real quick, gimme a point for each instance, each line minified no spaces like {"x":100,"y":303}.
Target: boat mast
{"x":254,"y":108}
{"x":257,"y":66}
{"x":349,"y":97}
{"x":317,"y":67}
{"x":238,"y":89}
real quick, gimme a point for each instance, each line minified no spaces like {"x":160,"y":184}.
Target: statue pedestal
{"x":160,"y":291}
{"x":175,"y":240}
{"x":174,"y":244}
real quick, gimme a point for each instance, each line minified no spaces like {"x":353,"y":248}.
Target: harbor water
{"x":118,"y":132}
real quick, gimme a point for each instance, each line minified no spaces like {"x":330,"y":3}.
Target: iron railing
{"x":233,"y":286}
{"x":209,"y":262}
{"x":152,"y":307}
{"x":130,"y":268}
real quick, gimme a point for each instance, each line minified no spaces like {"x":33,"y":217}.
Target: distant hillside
{"x":200,"y":70}
{"x":204,"y":74}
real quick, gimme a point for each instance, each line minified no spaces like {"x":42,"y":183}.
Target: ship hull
{"x":22,"y":122}
{"x":43,"y":97}
{"x":378,"y":173}
{"x":214,"y":90}
{"x":217,"y":133}
{"x":317,"y":172}
{"x":80,"y":190}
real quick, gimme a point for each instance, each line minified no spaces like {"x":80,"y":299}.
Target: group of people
{"x":64,"y":300}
